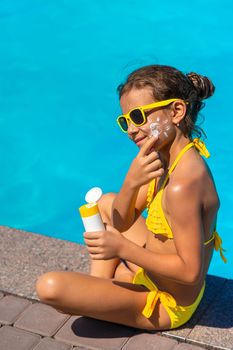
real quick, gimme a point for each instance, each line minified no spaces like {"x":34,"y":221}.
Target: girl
{"x":150,"y":273}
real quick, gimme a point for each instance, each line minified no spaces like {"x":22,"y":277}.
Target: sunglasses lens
{"x":136,"y":117}
{"x":123,"y":123}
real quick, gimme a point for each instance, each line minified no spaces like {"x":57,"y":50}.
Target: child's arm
{"x":132,"y":196}
{"x":186,"y":264}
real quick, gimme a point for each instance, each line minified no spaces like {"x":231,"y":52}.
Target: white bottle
{"x":90,"y":213}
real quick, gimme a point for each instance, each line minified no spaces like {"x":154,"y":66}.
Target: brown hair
{"x":167,"y":82}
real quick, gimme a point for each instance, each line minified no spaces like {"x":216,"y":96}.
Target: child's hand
{"x":104,"y":245}
{"x":146,"y":166}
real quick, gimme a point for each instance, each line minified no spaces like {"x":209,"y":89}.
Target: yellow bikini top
{"x":156,"y":220}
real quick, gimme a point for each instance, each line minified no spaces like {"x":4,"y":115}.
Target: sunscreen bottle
{"x":90,"y":213}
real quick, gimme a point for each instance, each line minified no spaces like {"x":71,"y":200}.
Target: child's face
{"x":158,"y":120}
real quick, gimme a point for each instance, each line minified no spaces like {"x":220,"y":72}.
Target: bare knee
{"x":106,"y":200}
{"x":50,"y":287}
{"x":105,"y":206}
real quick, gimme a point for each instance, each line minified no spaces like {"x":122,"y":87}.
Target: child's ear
{"x":178,"y":111}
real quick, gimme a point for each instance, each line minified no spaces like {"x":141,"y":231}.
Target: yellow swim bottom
{"x":179,"y":315}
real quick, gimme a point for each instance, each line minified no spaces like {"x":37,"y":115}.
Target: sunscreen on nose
{"x":89,"y":212}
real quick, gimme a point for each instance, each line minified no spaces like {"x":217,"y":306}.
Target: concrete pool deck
{"x":27,"y":324}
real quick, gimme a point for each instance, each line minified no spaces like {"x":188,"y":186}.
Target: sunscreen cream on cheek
{"x":89,"y":212}
{"x":160,"y":128}
{"x":155,"y":130}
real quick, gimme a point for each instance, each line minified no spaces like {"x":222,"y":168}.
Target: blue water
{"x":60,"y":64}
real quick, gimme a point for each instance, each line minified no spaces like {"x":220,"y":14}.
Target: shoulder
{"x":188,"y":182}
{"x":184,"y":196}
{"x":183,"y":203}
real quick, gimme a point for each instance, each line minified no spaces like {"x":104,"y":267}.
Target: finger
{"x":147,"y":145}
{"x":151,"y":157}
{"x":94,"y":250}
{"x":92,"y":235}
{"x":157,"y":173}
{"x":97,"y":257}
{"x":91,"y":242}
{"x":155,"y":165}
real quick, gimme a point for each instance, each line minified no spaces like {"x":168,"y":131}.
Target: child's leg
{"x":136,"y":233}
{"x":100,"y":298}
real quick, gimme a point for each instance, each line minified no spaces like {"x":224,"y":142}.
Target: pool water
{"x":60,"y":64}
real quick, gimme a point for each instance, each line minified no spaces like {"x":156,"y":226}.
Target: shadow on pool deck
{"x":99,"y":329}
{"x":25,"y":256}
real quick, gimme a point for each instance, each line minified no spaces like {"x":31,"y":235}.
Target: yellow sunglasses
{"x":137,"y":115}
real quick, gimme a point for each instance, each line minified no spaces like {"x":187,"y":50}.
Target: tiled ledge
{"x":25,"y":256}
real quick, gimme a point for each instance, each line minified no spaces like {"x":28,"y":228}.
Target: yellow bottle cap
{"x":88,"y":210}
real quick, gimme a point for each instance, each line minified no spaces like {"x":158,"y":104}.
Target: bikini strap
{"x":218,"y":246}
{"x":201,"y":147}
{"x":174,"y":164}
{"x":211,"y":238}
{"x":182,"y":152}
{"x":198,"y":144}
